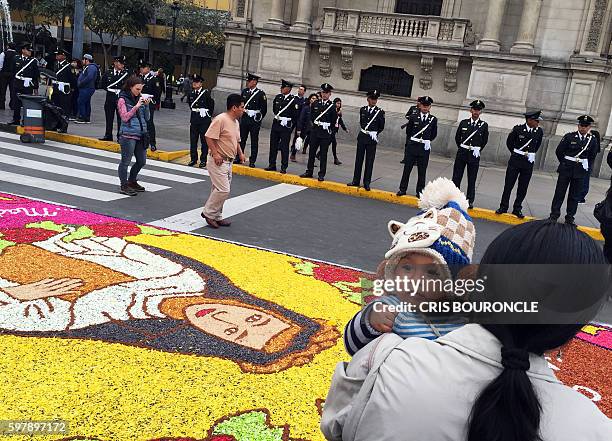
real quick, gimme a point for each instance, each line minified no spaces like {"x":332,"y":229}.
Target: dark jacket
{"x":9,"y":59}
{"x":304,"y":124}
{"x":365,"y":121}
{"x":339,"y":124}
{"x":31,"y":71}
{"x":320,"y":114}
{"x":479,"y":139}
{"x":520,"y":136}
{"x":258,"y":103}
{"x":137,"y":125}
{"x":200,"y":99}
{"x":88,"y":76}
{"x":415,"y":125}
{"x":285,"y":107}
{"x":572,"y":146}
{"x":113,"y":82}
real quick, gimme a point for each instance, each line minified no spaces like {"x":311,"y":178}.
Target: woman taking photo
{"x":133,"y":136}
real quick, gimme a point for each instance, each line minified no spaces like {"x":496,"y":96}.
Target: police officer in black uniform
{"x":113,"y":81}
{"x":421,"y":130}
{"x":523,"y":142}
{"x":6,"y":74}
{"x":471,"y":137}
{"x":372,"y":123}
{"x":202,"y":107}
{"x":25,"y":79}
{"x":323,"y":115}
{"x":413,"y":110}
{"x":576,"y":151}
{"x":285,"y":108}
{"x":62,"y":85}
{"x":151,"y":87}
{"x":255,"y":109}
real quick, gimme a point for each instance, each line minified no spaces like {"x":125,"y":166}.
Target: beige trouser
{"x":221,"y":179}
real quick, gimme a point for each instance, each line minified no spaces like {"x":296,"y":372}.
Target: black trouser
{"x":322,"y":145}
{"x":280,"y":138}
{"x":151,"y":125}
{"x":421,"y":163}
{"x":472,"y":172}
{"x":367,"y":150}
{"x":197,"y":131}
{"x":524,"y":176}
{"x":334,"y":145}
{"x":63,"y":100}
{"x":6,"y":80}
{"x":111,"y":113}
{"x":249,"y":127}
{"x":575,"y":185}
{"x":17,"y":102}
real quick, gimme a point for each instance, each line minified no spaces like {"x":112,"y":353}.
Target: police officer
{"x":421,"y":130}
{"x":576,"y":151}
{"x":285,"y":108}
{"x":151,"y":87}
{"x":413,"y":110}
{"x":323,"y":115}
{"x":7,"y":58}
{"x":25,"y":79}
{"x":372,"y":123}
{"x":523,"y":142}
{"x":62,"y":85}
{"x":113,"y":81}
{"x":202,"y":107}
{"x":471,"y":137}
{"x":255,"y":109}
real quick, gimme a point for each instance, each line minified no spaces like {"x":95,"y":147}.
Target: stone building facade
{"x":513,"y":54}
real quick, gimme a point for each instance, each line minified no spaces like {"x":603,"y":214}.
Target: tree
{"x":112,"y":19}
{"x":54,"y":12}
{"x":25,"y":11}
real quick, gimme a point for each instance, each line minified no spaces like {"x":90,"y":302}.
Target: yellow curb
{"x":386,"y":196}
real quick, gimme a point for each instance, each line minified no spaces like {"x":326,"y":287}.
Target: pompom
{"x":439,"y":192}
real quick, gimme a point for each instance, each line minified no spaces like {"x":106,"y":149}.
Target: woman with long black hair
{"x":603,"y":213}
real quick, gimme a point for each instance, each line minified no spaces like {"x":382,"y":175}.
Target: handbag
{"x":603,"y":211}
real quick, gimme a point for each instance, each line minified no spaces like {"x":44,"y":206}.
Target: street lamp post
{"x":168,"y":103}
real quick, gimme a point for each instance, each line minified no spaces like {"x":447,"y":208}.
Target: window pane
{"x":419,"y":7}
{"x":388,"y":80}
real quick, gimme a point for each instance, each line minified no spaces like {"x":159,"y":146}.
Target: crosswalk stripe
{"x":95,"y":162}
{"x":113,"y":155}
{"x":59,"y":187}
{"x":192,"y":220}
{"x":67,"y":171}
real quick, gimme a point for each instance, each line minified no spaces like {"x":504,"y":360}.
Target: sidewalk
{"x":173,"y":135}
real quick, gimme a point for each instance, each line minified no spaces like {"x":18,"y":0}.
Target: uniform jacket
{"x":137,"y":125}
{"x":425,"y":390}
{"x":87,"y":77}
{"x":292,"y":111}
{"x":330,"y":116}
{"x":64,"y":74}
{"x":304,"y":124}
{"x":480,"y":139}
{"x":414,"y":110}
{"x":571,"y":145}
{"x":260,"y":102}
{"x":29,"y":72}
{"x":517,"y":138}
{"x":152,"y":85}
{"x":200,"y":99}
{"x":377,"y":125}
{"x":8,"y":60}
{"x":113,"y":81}
{"x":415,"y":125}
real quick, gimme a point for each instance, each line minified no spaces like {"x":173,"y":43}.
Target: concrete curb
{"x":336,"y":187}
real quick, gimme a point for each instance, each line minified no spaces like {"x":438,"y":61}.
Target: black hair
{"x":234,"y":100}
{"x":131,"y":82}
{"x":508,"y":408}
{"x":337,"y":100}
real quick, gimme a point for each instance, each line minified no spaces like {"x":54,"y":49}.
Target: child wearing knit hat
{"x":434,"y":245}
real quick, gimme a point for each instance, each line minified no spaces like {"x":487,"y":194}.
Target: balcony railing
{"x":398,"y":28}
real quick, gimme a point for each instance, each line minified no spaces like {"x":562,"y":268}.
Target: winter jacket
{"x":87,"y":78}
{"x":425,"y":390}
{"x":137,"y":125}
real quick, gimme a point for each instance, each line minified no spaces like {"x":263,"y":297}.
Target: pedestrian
{"x":603,"y":213}
{"x":162,"y":88}
{"x":336,"y":128}
{"x":523,"y":142}
{"x":62,"y":85}
{"x":75,"y":67}
{"x":255,"y":110}
{"x":87,"y":86}
{"x":472,"y":136}
{"x":113,"y":81}
{"x":134,"y":112}
{"x":421,"y":131}
{"x":479,"y":382}
{"x":151,"y":89}
{"x":413,"y":110}
{"x":186,"y":87}
{"x":304,"y":126}
{"x":223,"y":140}
{"x":575,"y":152}
{"x":587,"y":178}
{"x":7,"y":60}
{"x":302,"y":101}
{"x":26,"y":78}
{"x":202,"y":108}
{"x":371,"y":124}
{"x":285,"y":108}
{"x":323,"y":115}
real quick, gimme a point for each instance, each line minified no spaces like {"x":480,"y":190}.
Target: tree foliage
{"x":196,"y":27}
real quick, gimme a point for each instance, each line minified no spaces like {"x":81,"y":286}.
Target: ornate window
{"x":419,"y":7}
{"x":388,"y":80}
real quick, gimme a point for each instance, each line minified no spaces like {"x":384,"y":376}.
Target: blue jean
{"x":84,"y":103}
{"x":129,"y":148}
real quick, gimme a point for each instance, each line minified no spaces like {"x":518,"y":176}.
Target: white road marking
{"x":192,"y":220}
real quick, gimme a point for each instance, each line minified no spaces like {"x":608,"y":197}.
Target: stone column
{"x":527,"y":28}
{"x":493,"y":24}
{"x":304,"y":14}
{"x":277,"y":12}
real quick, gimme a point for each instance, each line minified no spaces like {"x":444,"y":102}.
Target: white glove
{"x":427,"y":144}
{"x":251,"y":113}
{"x":476,"y":152}
{"x":325,"y":125}
{"x":299,"y":143}
{"x":373,"y":135}
{"x":531,"y":157}
{"x":585,"y":164}
{"x":284,"y":121}
{"x":204,"y":113}
{"x":27,"y":82}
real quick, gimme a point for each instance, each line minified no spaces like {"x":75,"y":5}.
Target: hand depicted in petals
{"x":44,"y":289}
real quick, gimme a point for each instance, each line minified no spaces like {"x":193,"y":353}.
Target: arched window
{"x":419,"y":7}
{"x":388,"y":80}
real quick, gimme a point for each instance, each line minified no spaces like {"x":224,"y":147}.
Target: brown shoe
{"x":224,"y":223}
{"x":211,"y":222}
